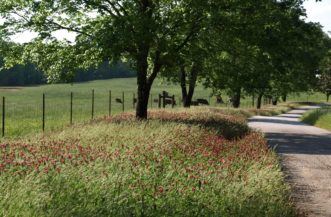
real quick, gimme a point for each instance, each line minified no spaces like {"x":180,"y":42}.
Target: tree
{"x":325,"y":76}
{"x":224,"y":35}
{"x":238,"y":64}
{"x":147,"y":33}
{"x":268,"y":51}
{"x":189,"y":66}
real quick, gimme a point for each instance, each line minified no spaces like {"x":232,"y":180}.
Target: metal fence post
{"x":92,"y":112}
{"x":43,"y":112}
{"x":3,"y":115}
{"x":134,"y":101}
{"x":164,"y":99}
{"x":71,"y":102}
{"x":151,"y":98}
{"x":109,"y":109}
{"x":123,"y":108}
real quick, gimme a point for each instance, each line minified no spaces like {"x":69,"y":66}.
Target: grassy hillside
{"x":187,"y":163}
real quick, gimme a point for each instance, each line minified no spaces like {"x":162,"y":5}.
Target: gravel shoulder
{"x":305,"y":153}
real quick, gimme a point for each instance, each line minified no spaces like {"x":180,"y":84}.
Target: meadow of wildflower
{"x":198,"y":162}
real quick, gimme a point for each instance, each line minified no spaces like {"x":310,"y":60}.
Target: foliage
{"x":147,"y":33}
{"x":24,"y":75}
{"x":325,"y":75}
{"x":245,"y":48}
{"x":276,"y":54}
{"x":20,"y":75}
{"x":127,"y":168}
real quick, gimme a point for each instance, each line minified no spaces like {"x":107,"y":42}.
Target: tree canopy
{"x":253,"y":47}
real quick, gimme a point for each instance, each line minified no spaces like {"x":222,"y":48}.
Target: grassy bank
{"x":319,"y":118}
{"x":184,"y":163}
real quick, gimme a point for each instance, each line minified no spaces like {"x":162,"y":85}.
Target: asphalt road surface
{"x":305,"y":153}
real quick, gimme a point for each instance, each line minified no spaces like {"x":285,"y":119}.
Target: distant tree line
{"x":28,"y":74}
{"x":20,"y":75}
{"x":104,"y":71}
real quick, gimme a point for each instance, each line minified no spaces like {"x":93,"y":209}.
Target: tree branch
{"x":156,"y":68}
{"x":113,"y":6}
{"x":59,"y":26}
{"x":190,"y":34}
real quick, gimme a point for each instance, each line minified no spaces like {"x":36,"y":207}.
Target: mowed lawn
{"x":197,"y":162}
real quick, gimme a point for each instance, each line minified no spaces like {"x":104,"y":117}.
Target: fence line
{"x":71,"y":107}
{"x":3,"y":115}
{"x":79,"y":108}
{"x":44,"y":108}
{"x":92,"y":112}
{"x":123,"y":103}
{"x":109,"y":104}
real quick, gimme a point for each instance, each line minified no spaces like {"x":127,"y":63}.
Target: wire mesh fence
{"x":58,"y":109}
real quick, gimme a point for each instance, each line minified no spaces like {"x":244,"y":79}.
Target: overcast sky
{"x":319,"y":12}
{"x":316,"y":11}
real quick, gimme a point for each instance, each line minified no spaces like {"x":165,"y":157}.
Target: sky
{"x":316,"y":12}
{"x":319,"y":12}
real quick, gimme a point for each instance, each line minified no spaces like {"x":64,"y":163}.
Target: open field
{"x":198,"y":162}
{"x":24,"y":104}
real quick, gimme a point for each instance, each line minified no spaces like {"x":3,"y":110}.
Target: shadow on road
{"x":290,"y":116}
{"x":276,"y":121}
{"x":300,"y":143}
{"x":294,"y":113}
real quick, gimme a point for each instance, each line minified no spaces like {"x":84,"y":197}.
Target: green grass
{"x":196,"y":162}
{"x":320,"y":118}
{"x":314,"y":97}
{"x":24,"y":105}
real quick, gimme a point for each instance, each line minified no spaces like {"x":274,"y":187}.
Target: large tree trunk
{"x":186,"y":102}
{"x":327,"y":97}
{"x":143,"y":86}
{"x":259,"y":101}
{"x":236,"y":98}
{"x":187,"y":96}
{"x":284,"y":97}
{"x":275,"y":101}
{"x":142,"y":101}
{"x":145,"y":83}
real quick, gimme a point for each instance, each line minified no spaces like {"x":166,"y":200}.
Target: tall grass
{"x":319,"y":117}
{"x":175,"y":164}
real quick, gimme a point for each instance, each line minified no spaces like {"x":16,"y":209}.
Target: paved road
{"x":305,"y":153}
